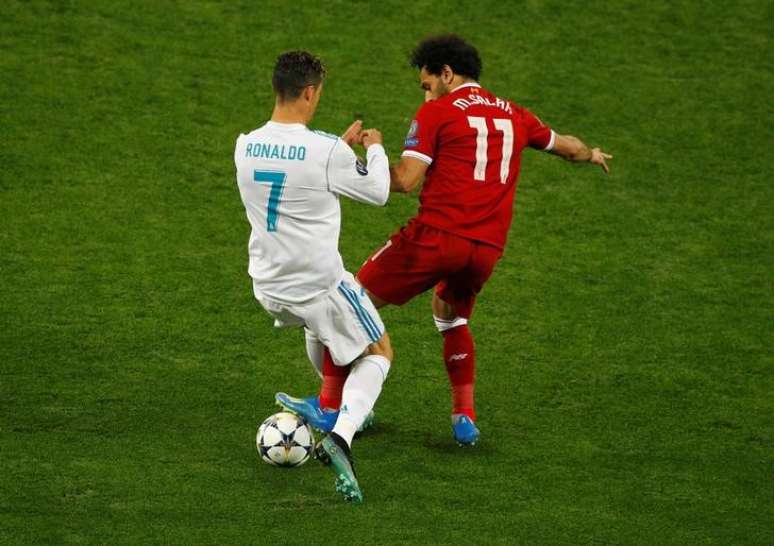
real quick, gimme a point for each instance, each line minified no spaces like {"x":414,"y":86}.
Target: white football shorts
{"x":344,"y":320}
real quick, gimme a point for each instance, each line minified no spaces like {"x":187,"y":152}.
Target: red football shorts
{"x":419,"y":257}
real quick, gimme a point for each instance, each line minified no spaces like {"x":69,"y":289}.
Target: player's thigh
{"x":382,"y":347}
{"x":442,"y":309}
{"x":410,"y":263}
{"x":455,"y":295}
{"x":347,"y":322}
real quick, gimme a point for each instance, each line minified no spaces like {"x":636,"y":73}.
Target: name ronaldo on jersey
{"x":275,"y":151}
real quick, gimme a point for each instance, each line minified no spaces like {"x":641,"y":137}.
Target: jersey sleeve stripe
{"x":418,"y":155}
{"x":328,"y":163}
{"x":551,"y":142}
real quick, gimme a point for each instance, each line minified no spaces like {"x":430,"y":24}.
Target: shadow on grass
{"x":377,"y":430}
{"x":439,"y":442}
{"x":445,"y":445}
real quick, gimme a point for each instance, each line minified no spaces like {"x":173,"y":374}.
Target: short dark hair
{"x":295,"y":70}
{"x":435,"y":51}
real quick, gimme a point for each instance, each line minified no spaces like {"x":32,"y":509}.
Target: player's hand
{"x":371,"y":136}
{"x":352,"y":135}
{"x":598,"y":157}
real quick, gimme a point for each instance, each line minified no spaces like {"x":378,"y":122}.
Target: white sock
{"x":314,"y":350}
{"x":360,"y":392}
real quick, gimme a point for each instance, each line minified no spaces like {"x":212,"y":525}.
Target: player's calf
{"x":460,"y":362}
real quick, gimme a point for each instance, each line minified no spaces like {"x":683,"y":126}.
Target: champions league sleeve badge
{"x":411,"y":137}
{"x":360,"y":167}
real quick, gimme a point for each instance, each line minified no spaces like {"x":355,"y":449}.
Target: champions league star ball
{"x":285,"y":439}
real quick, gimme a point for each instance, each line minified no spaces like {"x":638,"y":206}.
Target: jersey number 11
{"x":506,"y":127}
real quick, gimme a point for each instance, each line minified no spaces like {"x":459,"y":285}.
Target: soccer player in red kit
{"x":466,"y":144}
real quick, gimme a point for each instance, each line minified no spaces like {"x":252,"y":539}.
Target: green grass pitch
{"x":626,"y":377}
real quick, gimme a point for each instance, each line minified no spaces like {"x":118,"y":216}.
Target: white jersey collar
{"x":464,"y":85}
{"x":278,"y":125}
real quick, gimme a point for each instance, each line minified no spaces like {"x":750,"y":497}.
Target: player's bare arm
{"x":574,"y":149}
{"x":406,"y":175}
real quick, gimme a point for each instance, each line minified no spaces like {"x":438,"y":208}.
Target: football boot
{"x":320,"y":418}
{"x":333,"y":451}
{"x":465,"y":431}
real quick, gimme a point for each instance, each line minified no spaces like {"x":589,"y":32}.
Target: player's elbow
{"x":402,"y":179}
{"x":379,"y":189}
{"x":396,"y":185}
{"x":381,"y":200}
{"x":407,"y":184}
{"x":383,"y":183}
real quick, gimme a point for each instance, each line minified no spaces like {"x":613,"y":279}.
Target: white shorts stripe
{"x":343,"y":321}
{"x":365,"y":319}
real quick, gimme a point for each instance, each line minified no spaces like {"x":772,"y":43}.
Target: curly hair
{"x":435,"y":51}
{"x":295,"y":70}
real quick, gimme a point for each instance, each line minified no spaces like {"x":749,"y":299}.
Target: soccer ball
{"x":285,"y":439}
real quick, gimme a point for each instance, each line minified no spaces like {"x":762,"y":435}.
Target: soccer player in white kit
{"x":290,"y":179}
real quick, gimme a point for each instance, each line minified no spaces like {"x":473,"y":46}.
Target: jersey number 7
{"x":277,"y":181}
{"x":506,"y":127}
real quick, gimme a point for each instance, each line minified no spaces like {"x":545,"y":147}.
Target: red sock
{"x":460,"y":358}
{"x":333,"y":382}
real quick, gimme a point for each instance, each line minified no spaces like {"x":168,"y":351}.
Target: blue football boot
{"x":309,"y":408}
{"x":465,"y":431}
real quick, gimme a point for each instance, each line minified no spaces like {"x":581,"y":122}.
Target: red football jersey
{"x":472,"y":141}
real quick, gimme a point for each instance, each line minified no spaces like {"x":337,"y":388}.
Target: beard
{"x":442,"y":90}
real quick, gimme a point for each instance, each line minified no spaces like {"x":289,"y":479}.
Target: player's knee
{"x":382,"y":347}
{"x":444,"y":325}
{"x":441,"y":309}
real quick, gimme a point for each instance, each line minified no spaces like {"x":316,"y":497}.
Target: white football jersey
{"x":290,"y":179}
